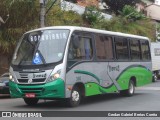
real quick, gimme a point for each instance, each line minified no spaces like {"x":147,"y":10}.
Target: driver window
{"x":82,"y":51}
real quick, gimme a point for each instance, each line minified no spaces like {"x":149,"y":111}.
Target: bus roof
{"x":72,"y":28}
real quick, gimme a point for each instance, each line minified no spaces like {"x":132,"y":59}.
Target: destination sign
{"x":49,"y":35}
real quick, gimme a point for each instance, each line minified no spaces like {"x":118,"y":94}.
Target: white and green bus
{"x":67,"y":62}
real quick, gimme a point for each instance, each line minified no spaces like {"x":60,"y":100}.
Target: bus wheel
{"x":130,"y":91}
{"x":31,"y":101}
{"x":154,"y":77}
{"x":75,"y":98}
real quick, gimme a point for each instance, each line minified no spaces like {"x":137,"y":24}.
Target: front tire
{"x":75,"y":98}
{"x":31,"y":101}
{"x":130,"y":91}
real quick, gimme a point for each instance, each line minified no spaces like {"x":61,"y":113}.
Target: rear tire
{"x":154,"y":77}
{"x":31,"y":101}
{"x":75,"y":98}
{"x":130,"y":91}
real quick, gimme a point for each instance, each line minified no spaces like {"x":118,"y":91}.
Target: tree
{"x":131,"y":14}
{"x":23,"y":15}
{"x":117,"y":5}
{"x":92,"y":15}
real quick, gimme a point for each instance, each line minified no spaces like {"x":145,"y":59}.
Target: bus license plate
{"x":30,"y":95}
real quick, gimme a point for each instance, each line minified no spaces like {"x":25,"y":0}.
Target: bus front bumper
{"x":54,"y":89}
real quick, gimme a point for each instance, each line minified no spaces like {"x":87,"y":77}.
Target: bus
{"x":70,"y":63}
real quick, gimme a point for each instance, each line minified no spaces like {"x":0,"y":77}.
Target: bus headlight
{"x":11,"y":78}
{"x":54,"y":76}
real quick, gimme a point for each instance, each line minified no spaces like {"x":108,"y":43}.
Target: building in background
{"x":157,"y":2}
{"x":151,"y":8}
{"x":153,"y":11}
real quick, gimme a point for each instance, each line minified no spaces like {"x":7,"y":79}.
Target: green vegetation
{"x":24,"y":16}
{"x":92,"y":15}
{"x":129,"y":21}
{"x":117,"y":5}
{"x":57,"y":17}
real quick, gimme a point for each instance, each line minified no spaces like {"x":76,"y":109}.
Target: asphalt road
{"x":146,"y":98}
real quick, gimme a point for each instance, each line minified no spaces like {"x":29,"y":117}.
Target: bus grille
{"x":23,"y":77}
{"x":32,"y":90}
{"x":39,"y":80}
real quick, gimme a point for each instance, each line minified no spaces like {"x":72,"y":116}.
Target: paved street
{"x":146,"y":98}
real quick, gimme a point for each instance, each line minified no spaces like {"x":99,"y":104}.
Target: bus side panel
{"x":94,"y":89}
{"x":140,"y":74}
{"x":93,"y":75}
{"x":104,"y":77}
{"x":123,"y":72}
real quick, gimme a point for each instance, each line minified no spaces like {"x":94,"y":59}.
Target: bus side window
{"x":135,"y":50}
{"x":122,"y":52}
{"x":145,"y":50}
{"x":104,"y":47}
{"x":100,"y":47}
{"x":108,"y":47}
{"x":83,"y":52}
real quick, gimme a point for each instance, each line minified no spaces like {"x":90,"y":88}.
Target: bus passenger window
{"x":145,"y":50}
{"x":83,"y":51}
{"x":135,"y":50}
{"x":108,"y":47}
{"x":100,"y":48}
{"x":121,"y":45}
{"x":104,"y":48}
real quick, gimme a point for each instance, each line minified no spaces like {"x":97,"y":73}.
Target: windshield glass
{"x":41,"y":47}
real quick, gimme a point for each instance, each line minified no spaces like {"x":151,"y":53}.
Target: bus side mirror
{"x":75,"y":41}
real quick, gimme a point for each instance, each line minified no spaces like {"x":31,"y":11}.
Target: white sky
{"x":157,"y":2}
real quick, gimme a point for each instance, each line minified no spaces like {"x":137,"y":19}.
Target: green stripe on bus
{"x":95,"y":89}
{"x":87,"y":73}
{"x":143,"y":76}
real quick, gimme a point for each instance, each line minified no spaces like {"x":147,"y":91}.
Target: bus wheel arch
{"x":77,"y":93}
{"x":133,"y":78}
{"x":131,"y":88}
{"x":81,"y":87}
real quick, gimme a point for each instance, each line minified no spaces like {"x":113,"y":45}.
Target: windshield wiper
{"x":35,"y":48}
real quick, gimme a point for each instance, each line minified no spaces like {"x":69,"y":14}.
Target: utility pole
{"x":42,"y":12}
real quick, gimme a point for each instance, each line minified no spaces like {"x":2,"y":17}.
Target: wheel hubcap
{"x":131,"y":89}
{"x":155,"y":77}
{"x":75,"y":96}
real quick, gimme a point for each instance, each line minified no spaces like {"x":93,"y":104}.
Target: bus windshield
{"x":41,"y":47}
